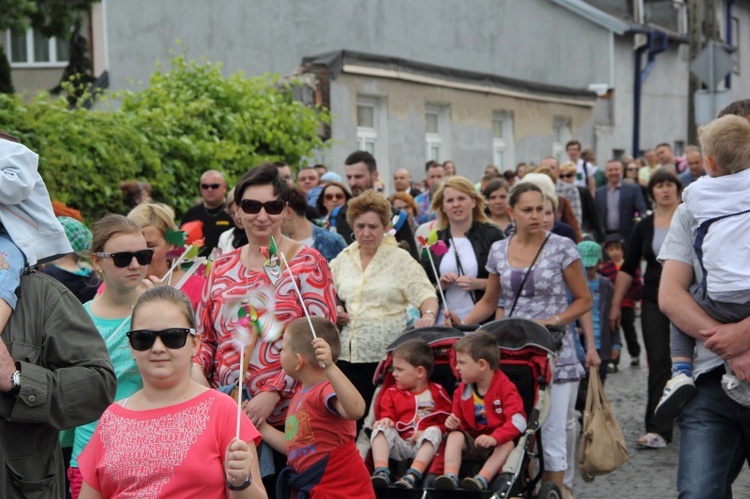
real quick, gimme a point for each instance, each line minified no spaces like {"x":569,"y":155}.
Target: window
{"x":31,"y":48}
{"x":436,"y":124}
{"x":502,"y":140}
{"x":367,"y":124}
{"x":679,"y":147}
{"x":560,"y":136}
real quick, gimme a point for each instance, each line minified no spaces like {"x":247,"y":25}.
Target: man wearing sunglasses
{"x":211,"y":210}
{"x":361,"y":174}
{"x":55,"y":374}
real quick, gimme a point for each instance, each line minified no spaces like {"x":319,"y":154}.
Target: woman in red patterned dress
{"x":242,"y":275}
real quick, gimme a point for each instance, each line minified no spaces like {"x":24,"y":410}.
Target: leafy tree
{"x":189,"y":119}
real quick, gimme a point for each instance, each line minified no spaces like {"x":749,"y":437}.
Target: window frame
{"x":439,"y":140}
{"x":30,"y":63}
{"x":558,"y":143}
{"x":503,"y":145}
{"x":365,"y":134}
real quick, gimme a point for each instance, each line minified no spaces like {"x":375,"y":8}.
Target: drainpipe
{"x":656,"y":43}
{"x":730,"y":4}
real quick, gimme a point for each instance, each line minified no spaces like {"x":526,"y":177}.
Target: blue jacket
{"x":328,"y":244}
{"x":25,"y":208}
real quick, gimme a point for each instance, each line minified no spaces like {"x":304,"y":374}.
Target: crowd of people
{"x":124,"y":354}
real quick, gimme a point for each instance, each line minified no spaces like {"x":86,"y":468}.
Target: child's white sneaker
{"x":739,"y":391}
{"x":677,"y":392}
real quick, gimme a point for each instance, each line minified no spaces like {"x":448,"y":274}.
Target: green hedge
{"x":189,"y":119}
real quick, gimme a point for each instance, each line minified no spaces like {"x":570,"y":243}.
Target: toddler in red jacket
{"x":487,"y":414}
{"x":409,"y":416}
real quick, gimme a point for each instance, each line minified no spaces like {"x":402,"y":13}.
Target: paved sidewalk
{"x":648,"y":473}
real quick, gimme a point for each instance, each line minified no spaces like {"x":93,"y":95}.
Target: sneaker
{"x":381,"y":478}
{"x":739,"y":391}
{"x":446,"y":482}
{"x":677,"y":392}
{"x":612,"y":368}
{"x":477,"y":482}
{"x":651,"y":441}
{"x":635,"y":362}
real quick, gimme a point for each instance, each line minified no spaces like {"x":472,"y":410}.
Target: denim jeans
{"x":714,"y":441}
{"x":12,"y":263}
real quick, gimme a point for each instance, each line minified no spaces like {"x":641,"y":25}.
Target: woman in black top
{"x":645,"y":241}
{"x":467,"y":234}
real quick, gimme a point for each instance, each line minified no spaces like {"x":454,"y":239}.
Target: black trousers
{"x":655,"y":327}
{"x":361,"y":377}
{"x":627,"y":319}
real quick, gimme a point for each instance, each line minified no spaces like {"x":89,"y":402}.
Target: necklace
{"x":216,"y":211}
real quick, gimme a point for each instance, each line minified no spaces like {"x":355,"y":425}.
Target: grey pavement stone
{"x":648,"y":473}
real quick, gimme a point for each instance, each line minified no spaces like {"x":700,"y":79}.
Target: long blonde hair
{"x":462,"y":185}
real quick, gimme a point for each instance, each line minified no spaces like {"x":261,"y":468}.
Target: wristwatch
{"x":15,"y":379}
{"x":243,"y":486}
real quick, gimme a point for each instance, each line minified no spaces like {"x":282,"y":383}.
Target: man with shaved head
{"x":211,"y":210}
{"x":402,"y":182}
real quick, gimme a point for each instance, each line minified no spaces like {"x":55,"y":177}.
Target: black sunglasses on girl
{"x":172,"y":338}
{"x":252,"y":207}
{"x":122,"y":259}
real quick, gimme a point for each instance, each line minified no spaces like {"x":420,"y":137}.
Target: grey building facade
{"x":485,"y":82}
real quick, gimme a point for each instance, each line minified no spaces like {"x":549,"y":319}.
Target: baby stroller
{"x":528,"y":352}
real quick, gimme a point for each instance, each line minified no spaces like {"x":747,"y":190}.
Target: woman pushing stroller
{"x":533,"y":270}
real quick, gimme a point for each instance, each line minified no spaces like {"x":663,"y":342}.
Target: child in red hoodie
{"x":410,"y":416}
{"x":487,"y":414}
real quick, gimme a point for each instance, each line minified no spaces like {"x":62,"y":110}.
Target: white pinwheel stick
{"x":168,"y":276}
{"x":437,"y":278}
{"x":240,"y":384}
{"x":301,"y":300}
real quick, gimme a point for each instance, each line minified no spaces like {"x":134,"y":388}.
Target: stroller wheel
{"x":549,"y":490}
{"x":588,"y":478}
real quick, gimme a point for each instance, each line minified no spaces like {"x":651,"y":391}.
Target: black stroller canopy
{"x":428,"y":334}
{"x":515,"y":334}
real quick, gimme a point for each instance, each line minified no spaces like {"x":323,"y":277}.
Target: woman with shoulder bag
{"x":533,"y":270}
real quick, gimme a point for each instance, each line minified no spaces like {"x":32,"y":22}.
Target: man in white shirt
{"x":585,"y":170}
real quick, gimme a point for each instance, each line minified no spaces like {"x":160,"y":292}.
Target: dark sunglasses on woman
{"x":567,"y":175}
{"x":332,"y":196}
{"x":252,"y":207}
{"x":172,"y":338}
{"x":122,"y":259}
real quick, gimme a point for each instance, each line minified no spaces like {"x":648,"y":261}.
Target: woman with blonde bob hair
{"x":468,"y":235}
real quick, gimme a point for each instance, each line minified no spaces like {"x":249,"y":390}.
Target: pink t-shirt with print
{"x":175,"y":451}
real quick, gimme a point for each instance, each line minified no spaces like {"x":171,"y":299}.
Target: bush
{"x":189,"y":119}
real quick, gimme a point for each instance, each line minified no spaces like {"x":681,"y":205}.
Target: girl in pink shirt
{"x":173,"y":438}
